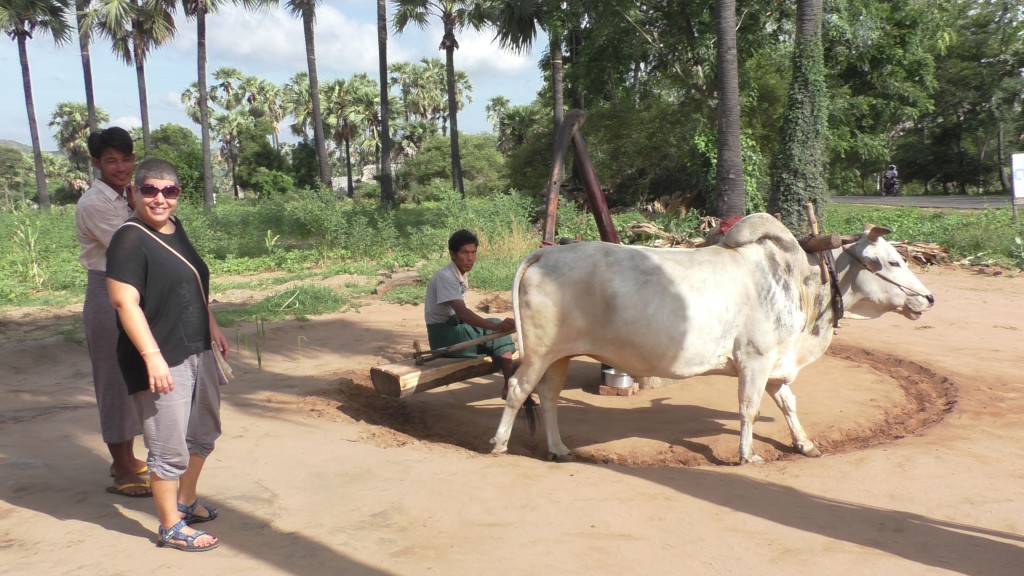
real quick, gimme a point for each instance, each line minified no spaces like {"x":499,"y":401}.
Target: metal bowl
{"x":616,"y":378}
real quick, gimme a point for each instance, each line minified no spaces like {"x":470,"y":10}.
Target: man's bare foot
{"x":131,"y":485}
{"x":138,"y":467}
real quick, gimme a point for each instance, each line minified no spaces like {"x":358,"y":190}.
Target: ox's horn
{"x":850,"y":238}
{"x":877,"y":232}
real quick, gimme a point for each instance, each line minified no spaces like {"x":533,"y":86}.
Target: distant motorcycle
{"x":891,"y":187}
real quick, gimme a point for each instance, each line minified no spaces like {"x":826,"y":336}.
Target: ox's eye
{"x":895,"y":263}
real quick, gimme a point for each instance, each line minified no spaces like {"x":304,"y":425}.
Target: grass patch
{"x":307,"y":238}
{"x":299,"y":302}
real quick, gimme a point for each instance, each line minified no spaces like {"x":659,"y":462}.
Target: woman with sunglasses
{"x":158,"y":285}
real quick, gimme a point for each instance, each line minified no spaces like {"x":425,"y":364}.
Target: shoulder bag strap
{"x":175,"y":252}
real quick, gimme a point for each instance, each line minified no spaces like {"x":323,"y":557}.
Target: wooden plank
{"x":405,"y":378}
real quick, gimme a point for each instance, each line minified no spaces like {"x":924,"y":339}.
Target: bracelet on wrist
{"x":143,"y":353}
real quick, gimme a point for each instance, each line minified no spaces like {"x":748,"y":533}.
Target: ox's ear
{"x":877,"y":232}
{"x":850,"y":238}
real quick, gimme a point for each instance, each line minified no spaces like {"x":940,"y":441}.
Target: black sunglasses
{"x":170,"y":192}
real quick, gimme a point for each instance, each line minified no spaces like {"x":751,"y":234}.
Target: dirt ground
{"x":920,"y":424}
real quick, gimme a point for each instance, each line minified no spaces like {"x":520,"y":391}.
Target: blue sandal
{"x":190,"y":513}
{"x":173,"y":537}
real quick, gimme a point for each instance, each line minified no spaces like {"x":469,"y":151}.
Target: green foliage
{"x":261,"y":167}
{"x":638,"y":159}
{"x":481,"y":167}
{"x":17,"y":178}
{"x":39,"y":256}
{"x":967,"y":234}
{"x":528,"y":165}
{"x":267,"y":183}
{"x":798,"y":172}
{"x":305,"y":169}
{"x":179,"y":146}
{"x":313,"y":237}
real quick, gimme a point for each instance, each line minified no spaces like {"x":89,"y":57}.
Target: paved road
{"x":961,"y":202}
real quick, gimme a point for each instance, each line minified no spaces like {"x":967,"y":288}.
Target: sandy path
{"x":316,"y":475}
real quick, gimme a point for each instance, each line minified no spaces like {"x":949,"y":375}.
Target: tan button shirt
{"x":100,"y":212}
{"x":447,"y":284}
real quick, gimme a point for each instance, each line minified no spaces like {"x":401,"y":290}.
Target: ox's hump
{"x":760,"y":228}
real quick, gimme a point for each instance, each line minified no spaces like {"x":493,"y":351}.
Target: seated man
{"x":450,"y":321}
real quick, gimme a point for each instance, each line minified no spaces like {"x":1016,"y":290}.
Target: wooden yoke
{"x":813,"y":221}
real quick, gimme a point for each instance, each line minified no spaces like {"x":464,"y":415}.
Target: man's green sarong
{"x":454,"y":331}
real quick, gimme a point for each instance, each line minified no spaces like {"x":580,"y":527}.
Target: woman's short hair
{"x":155,"y":169}
{"x":114,"y":137}
{"x":460,"y":239}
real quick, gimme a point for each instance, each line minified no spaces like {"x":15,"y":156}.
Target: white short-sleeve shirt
{"x":447,"y":284}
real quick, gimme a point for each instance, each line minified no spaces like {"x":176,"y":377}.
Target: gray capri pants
{"x":184,"y":421}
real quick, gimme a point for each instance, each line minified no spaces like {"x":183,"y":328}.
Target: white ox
{"x":752,"y":306}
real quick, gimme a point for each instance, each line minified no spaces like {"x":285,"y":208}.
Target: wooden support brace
{"x":405,"y":378}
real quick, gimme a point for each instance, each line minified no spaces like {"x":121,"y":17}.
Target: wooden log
{"x":820,"y":242}
{"x":405,"y":378}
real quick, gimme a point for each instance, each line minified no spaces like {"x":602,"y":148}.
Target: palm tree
{"x":82,"y":10}
{"x":387,"y":184}
{"x":298,"y":103}
{"x":228,"y":126}
{"x":430,"y":93}
{"x":516,"y":25}
{"x":134,"y":29}
{"x":197,"y":10}
{"x":402,"y":74}
{"x":496,"y":109}
{"x":454,"y":15}
{"x":306,"y":10}
{"x":21,"y":20}
{"x":264,"y":101}
{"x":338,"y":118}
{"x":730,"y":193}
{"x":71,"y":119}
{"x":515,"y":126}
{"x":799,"y":165}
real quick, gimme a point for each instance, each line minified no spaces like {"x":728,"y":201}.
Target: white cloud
{"x":480,"y":56}
{"x":127,"y":122}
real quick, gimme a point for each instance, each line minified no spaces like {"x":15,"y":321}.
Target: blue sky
{"x":269,"y":45}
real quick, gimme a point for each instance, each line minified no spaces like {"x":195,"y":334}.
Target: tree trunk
{"x":730,"y":197}
{"x":83,"y":47}
{"x":233,"y":156}
{"x":348,"y":163}
{"x":139,"y":49}
{"x":42,"y":193}
{"x":799,"y":165}
{"x":1004,"y":182}
{"x":557,"y":81}
{"x":209,"y":199}
{"x":314,"y":95}
{"x":449,"y":44}
{"x":387,"y":185}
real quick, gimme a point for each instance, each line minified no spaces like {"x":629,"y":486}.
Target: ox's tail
{"x":530,"y":413}
{"x":529,"y":406}
{"x":527,"y":262}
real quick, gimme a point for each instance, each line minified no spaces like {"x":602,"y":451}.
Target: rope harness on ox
{"x":906,"y":289}
{"x":838,"y":309}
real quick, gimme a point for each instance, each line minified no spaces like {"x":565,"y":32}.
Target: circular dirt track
{"x":851,"y":399}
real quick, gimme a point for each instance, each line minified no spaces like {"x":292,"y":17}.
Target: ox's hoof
{"x":498,"y":448}
{"x":752,"y":459}
{"x":567,"y":457}
{"x":811,"y":452}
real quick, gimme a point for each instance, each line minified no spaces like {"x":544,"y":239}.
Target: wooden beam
{"x":405,"y":378}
